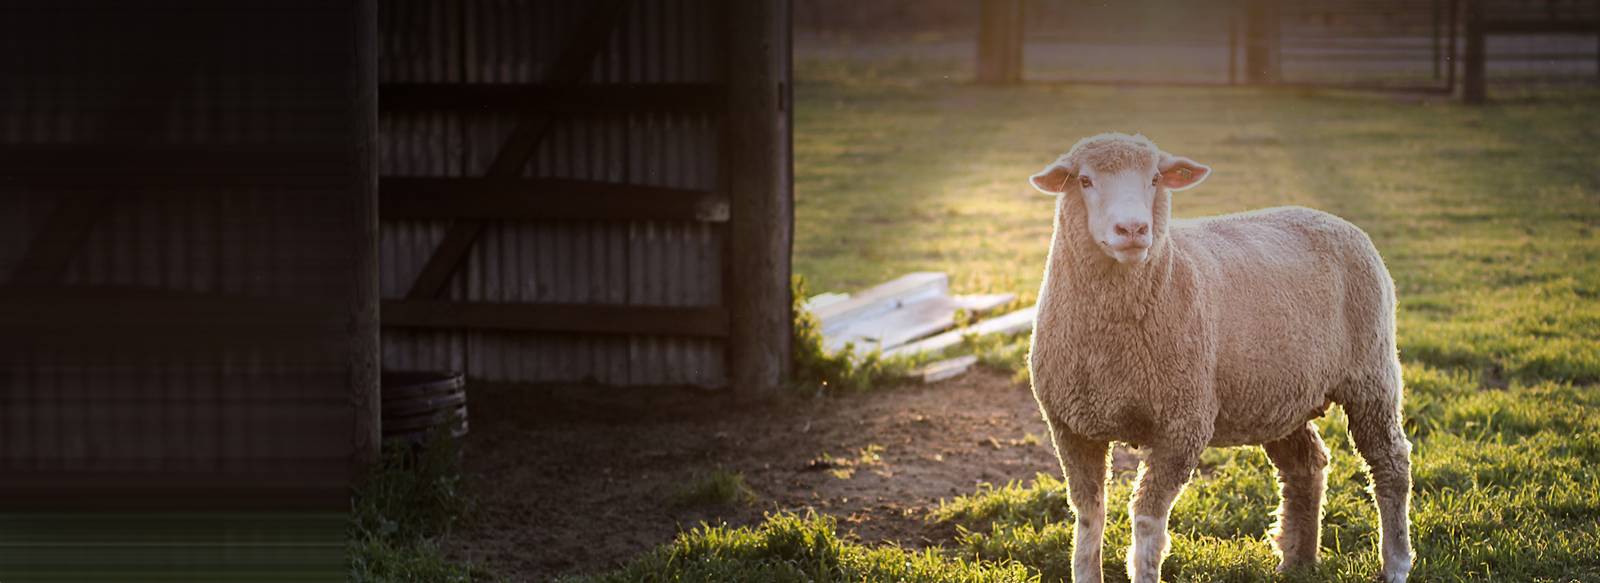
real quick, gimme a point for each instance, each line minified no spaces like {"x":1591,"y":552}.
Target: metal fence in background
{"x":1408,"y":45}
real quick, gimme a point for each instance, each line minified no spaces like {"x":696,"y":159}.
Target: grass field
{"x":1488,"y":218}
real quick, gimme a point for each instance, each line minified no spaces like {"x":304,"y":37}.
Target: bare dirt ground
{"x":571,"y":484}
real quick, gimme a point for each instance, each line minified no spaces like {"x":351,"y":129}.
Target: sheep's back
{"x":1299,"y":298}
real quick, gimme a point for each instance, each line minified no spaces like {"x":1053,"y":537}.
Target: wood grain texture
{"x":758,"y":172}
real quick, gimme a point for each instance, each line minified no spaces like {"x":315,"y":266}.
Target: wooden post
{"x":1474,"y":84}
{"x":1233,"y":47}
{"x":1261,"y":52}
{"x":365,"y":350}
{"x":757,"y":169}
{"x":1437,"y":17}
{"x":1452,"y":13}
{"x":1000,"y":42}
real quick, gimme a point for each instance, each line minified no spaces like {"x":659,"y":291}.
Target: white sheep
{"x":1231,"y":330}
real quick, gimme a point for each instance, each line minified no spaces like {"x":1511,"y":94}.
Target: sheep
{"x":1176,"y":335}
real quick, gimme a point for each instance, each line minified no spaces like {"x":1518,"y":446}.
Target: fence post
{"x":1000,"y":42}
{"x":1262,"y":61}
{"x":1474,"y":85}
{"x":1437,"y":17}
{"x":1233,"y":47}
{"x":761,"y":204}
{"x":366,"y":356}
{"x":1452,"y":13}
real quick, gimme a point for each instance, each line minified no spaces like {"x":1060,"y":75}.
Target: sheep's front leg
{"x":1084,"y":462}
{"x":1302,"y":463}
{"x":1163,"y":476}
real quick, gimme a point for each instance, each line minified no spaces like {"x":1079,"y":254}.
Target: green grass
{"x":1488,"y":218}
{"x":405,"y":507}
{"x":842,"y":371}
{"x":793,"y":548}
{"x":720,"y":487}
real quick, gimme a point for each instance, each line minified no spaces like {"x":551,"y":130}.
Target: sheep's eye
{"x":1155,"y":179}
{"x":1085,"y":182}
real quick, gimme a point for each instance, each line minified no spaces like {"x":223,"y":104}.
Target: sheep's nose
{"x":1132,"y":229}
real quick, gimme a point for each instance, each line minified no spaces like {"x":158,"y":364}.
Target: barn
{"x":584,"y":192}
{"x":220,"y":221}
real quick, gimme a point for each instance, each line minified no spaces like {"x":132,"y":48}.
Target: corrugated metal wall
{"x":193,"y":167}
{"x":634,"y":263}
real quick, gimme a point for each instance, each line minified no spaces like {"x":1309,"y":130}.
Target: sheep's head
{"x":1120,"y":179}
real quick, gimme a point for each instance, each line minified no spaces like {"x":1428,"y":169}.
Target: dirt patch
{"x":576,"y":484}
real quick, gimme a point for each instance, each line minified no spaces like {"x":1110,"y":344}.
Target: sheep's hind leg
{"x":1166,"y":471}
{"x":1083,"y":461}
{"x":1302,"y":463}
{"x":1375,"y":428}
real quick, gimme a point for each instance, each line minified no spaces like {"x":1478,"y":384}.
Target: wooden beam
{"x":584,"y":318}
{"x":1540,"y":27}
{"x":100,"y":163}
{"x":1474,"y":84}
{"x":58,"y":239}
{"x":758,"y":174}
{"x":153,"y":320}
{"x":1452,"y":14}
{"x":587,"y":43}
{"x":1262,"y":61}
{"x":1233,"y":48}
{"x":546,"y":98}
{"x":484,"y":199}
{"x":1437,"y":21}
{"x":1000,"y":36}
{"x":366,"y":352}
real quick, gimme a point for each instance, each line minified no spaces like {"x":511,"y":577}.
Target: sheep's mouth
{"x":1133,"y":253}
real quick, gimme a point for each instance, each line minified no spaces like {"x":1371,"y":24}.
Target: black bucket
{"x":416,"y":402}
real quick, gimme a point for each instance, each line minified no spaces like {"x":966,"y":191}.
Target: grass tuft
{"x":406,"y":505}
{"x":719,"y":487}
{"x":817,"y":369}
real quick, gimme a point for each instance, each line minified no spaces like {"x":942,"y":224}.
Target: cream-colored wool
{"x":1234,"y":330}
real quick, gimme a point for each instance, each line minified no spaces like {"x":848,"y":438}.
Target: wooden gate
{"x":587,"y":192}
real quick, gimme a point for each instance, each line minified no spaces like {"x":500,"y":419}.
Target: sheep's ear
{"x":1053,"y":180}
{"x":1180,"y":173}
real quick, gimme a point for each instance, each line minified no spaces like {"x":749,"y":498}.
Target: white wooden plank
{"x":894,"y":327}
{"x":983,"y":303}
{"x":1012,"y":323}
{"x":883,"y":298}
{"x":818,"y":301}
{"x":945,"y":369}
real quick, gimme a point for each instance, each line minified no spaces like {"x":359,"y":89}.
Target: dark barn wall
{"x":187,"y":272}
{"x":556,"y":204}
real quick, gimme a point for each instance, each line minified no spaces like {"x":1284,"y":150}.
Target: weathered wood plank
{"x":1012,"y":323}
{"x":587,"y":42}
{"x":151,"y":320}
{"x":1474,"y":81}
{"x":758,"y":175}
{"x":586,"y":318}
{"x":983,"y":303}
{"x":553,"y":98}
{"x":484,"y":198}
{"x":910,"y":321}
{"x":1540,"y":27}
{"x":365,"y":349}
{"x":882,"y":298}
{"x":1000,"y":32}
{"x":898,"y":326}
{"x":945,"y":369}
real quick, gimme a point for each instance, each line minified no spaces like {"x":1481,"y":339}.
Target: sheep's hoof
{"x":1394,"y":576}
{"x":1296,"y":564}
